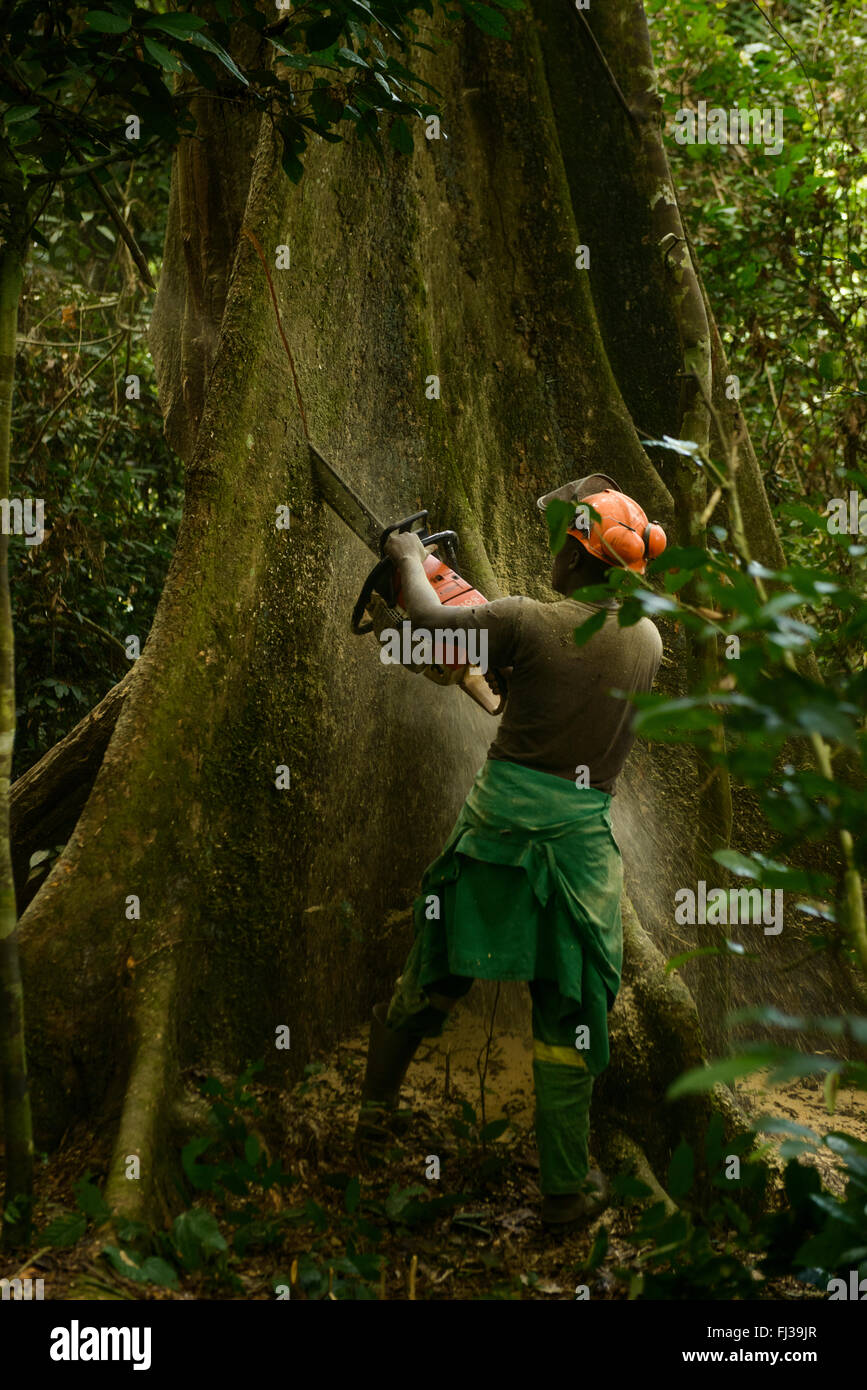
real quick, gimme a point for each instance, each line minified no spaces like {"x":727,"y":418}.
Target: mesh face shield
{"x":577,"y":490}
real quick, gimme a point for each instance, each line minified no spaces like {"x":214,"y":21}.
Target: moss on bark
{"x":258,"y":906}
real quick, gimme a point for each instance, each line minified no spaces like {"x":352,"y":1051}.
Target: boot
{"x":389,"y":1054}
{"x":569,"y":1209}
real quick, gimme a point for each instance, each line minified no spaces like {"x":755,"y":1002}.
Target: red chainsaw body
{"x":451,"y":590}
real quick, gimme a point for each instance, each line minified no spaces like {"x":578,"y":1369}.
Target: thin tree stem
{"x":853,"y":891}
{"x":17,"y":1124}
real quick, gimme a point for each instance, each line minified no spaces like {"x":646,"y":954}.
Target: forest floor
{"x":395,"y":1230}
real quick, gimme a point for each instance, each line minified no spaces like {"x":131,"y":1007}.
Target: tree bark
{"x":196,"y":906}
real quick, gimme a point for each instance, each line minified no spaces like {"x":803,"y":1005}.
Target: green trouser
{"x":527,"y":887}
{"x":562,"y":1080}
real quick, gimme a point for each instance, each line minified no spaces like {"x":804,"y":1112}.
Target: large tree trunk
{"x":258,"y":906}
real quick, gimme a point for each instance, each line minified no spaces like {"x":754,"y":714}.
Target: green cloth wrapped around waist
{"x":528,"y":887}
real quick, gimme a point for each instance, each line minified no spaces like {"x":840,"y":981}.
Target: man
{"x":528,"y":885}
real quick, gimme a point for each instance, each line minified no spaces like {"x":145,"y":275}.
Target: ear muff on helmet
{"x":654,"y":540}
{"x":626,"y":543}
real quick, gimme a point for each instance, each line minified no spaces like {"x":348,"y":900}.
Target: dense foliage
{"x":780,"y":242}
{"x":111,"y":485}
{"x":777,"y":238}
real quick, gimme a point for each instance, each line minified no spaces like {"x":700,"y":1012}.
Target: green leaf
{"x":581,"y":636}
{"x":323,"y":32}
{"x":486,"y":19}
{"x":179,"y":26}
{"x":625,"y":1185}
{"x":350,"y":56}
{"x":202,"y":41}
{"x":89,"y":1199}
{"x":400,"y":136}
{"x":161,"y":55}
{"x":768,"y":872}
{"x":291,"y":164}
{"x":681,"y":1170}
{"x":783,"y":179}
{"x":559,"y":516}
{"x":293,"y":60}
{"x":734,"y":948}
{"x":150,"y":1271}
{"x":352,"y":1195}
{"x":799,"y":511}
{"x":800,"y":1064}
{"x":677,"y":961}
{"x":726,"y":1070}
{"x":128,"y":1232}
{"x":65,"y":1230}
{"x":780,"y":603}
{"x":197,"y":1236}
{"x":399,"y":1198}
{"x":360,"y":4}
{"x":776,"y":1124}
{"x":681,"y":558}
{"x":494,"y":1129}
{"x":13,"y":114}
{"x":852,"y":1151}
{"x":378,"y":77}
{"x":838,"y":1026}
{"x":650,"y":602}
{"x":24,"y":131}
{"x":829,"y":366}
{"x":105,"y":23}
{"x":201,"y":1175}
{"x":598,"y":1251}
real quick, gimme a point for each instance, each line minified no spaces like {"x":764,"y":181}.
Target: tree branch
{"x":114,"y":213}
{"x":71,"y":392}
{"x":45,"y":803}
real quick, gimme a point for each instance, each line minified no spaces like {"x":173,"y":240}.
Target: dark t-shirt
{"x":560,"y":717}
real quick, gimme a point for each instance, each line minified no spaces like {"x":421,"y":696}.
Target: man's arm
{"x":406,"y":551}
{"x":500,"y":621}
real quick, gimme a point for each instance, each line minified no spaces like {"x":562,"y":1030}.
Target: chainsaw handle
{"x":405,"y":525}
{"x":371,"y":583}
{"x":448,"y":540}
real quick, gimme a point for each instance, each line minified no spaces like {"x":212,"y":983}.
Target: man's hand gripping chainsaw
{"x":380,"y":608}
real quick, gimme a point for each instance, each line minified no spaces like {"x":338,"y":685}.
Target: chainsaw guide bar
{"x":346,"y":503}
{"x":379,"y":604}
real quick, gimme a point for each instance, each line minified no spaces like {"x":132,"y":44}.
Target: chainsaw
{"x":380,"y":603}
{"x":379,"y":607}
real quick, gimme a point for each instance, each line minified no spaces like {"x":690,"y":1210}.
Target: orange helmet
{"x":623,"y":536}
